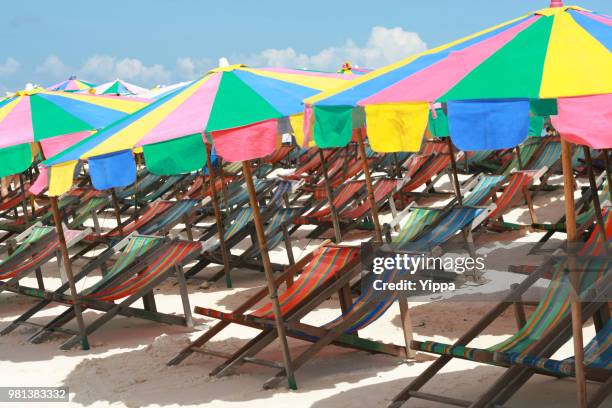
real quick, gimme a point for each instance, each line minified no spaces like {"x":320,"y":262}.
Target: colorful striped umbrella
{"x":159,"y":92}
{"x":72,"y":84}
{"x":241,"y":109}
{"x":118,"y":87}
{"x":54,"y":120}
{"x":555,"y":61}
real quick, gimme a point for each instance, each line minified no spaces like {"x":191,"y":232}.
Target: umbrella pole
{"x":368,"y":181}
{"x":24,"y":203}
{"x":451,"y":152}
{"x":117,"y":209}
{"x":608,"y":172}
{"x":68,"y":269}
{"x":224,"y":191}
{"x":595,"y":199}
{"x":263,"y":249}
{"x":330,"y":198}
{"x":218,"y":219}
{"x":576,"y":306}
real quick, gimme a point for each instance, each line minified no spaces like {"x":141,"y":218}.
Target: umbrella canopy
{"x":554,"y":61}
{"x":53,"y":119}
{"x":159,"y":92}
{"x":241,"y":109}
{"x":72,"y":84}
{"x":118,"y":87}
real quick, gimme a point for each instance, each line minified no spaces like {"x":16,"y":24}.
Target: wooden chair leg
{"x":519,"y":310}
{"x":180,"y":277}
{"x":406,"y":321}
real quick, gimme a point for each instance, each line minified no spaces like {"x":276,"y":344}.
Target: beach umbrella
{"x":161,"y":91}
{"x":555,"y":61}
{"x":51,"y":121}
{"x":72,"y":84}
{"x":44,"y":121}
{"x":241,"y":110}
{"x":117,"y":87}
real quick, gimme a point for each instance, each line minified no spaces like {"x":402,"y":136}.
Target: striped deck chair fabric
{"x":518,"y":181}
{"x":39,"y":257}
{"x":233,"y":168}
{"x":417,"y":221}
{"x":140,"y":185}
{"x":381,"y":190}
{"x":282,"y":188}
{"x":173,"y":255}
{"x":554,"y":307}
{"x":452,"y":223}
{"x":166,"y":186}
{"x":273,"y":233}
{"x":11,"y":202}
{"x":151,"y":212}
{"x":323,"y":266}
{"x":474,"y":157}
{"x":136,"y":247}
{"x":428,"y":171}
{"x":278,"y":155}
{"x":483,"y":188}
{"x":597,"y":354}
{"x":170,"y":217}
{"x":593,"y":245}
{"x":347,"y":192}
{"x":527,"y":151}
{"x":84,"y":212}
{"x":430,"y":147}
{"x":375,"y":302}
{"x":195,"y":187}
{"x":413,"y":164}
{"x":550,"y":155}
{"x":239,"y":222}
{"x":241,"y":196}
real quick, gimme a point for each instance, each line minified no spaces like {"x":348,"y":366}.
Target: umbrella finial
{"x":223,"y":62}
{"x":556,"y":3}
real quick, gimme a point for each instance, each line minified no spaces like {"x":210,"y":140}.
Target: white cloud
{"x":189,"y":68}
{"x":53,"y":67}
{"x":384,"y":46}
{"x":9,"y":67}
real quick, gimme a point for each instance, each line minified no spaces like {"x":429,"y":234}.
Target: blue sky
{"x":154,"y":41}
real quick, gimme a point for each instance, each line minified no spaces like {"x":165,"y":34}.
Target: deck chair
{"x":143,"y":263}
{"x":597,"y":360}
{"x":356,"y":214}
{"x":427,"y":174}
{"x":326,"y":270}
{"x":158,"y":218}
{"x":547,"y":329}
{"x":313,"y":163}
{"x":279,"y":154}
{"x":516,"y":189}
{"x":585,"y":215}
{"x":30,"y":250}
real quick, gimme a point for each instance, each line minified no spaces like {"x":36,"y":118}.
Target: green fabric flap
{"x":333,"y":126}
{"x":439,"y":126}
{"x":15,"y":159}
{"x":176,"y":156}
{"x":536,"y":124}
{"x":544,"y":107}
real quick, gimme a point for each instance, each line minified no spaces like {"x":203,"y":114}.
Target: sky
{"x":152,"y":42}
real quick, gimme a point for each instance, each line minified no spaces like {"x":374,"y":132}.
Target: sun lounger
{"x":547,"y":329}
{"x":143,"y":263}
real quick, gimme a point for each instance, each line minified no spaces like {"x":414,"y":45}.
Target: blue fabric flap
{"x":112,"y":170}
{"x":488,"y":125}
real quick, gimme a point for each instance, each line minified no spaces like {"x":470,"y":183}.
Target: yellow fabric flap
{"x":396,"y":127}
{"x":61,"y":177}
{"x":297,"y":123}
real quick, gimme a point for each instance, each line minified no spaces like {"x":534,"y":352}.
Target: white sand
{"x":126,"y":364}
